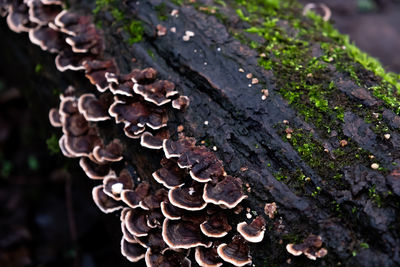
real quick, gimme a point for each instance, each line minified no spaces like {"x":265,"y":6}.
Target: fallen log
{"x":288,"y":105}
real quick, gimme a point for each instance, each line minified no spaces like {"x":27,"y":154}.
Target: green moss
{"x":52,"y":145}
{"x":162,"y":12}
{"x":134,"y":28}
{"x":38,"y":68}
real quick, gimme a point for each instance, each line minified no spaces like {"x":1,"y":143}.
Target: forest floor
{"x":47,"y":216}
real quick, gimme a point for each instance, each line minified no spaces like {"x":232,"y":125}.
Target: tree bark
{"x":321,"y":184}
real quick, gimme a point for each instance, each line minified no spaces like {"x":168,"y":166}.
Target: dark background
{"x":47,"y":216}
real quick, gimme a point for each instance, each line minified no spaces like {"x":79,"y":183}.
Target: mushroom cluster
{"x":196,"y":199}
{"x":140,"y":103}
{"x":81,"y":138}
{"x":73,"y":37}
{"x":193,"y":210}
{"x":311,"y":248}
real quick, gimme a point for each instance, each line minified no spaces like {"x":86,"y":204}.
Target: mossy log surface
{"x":311,"y":146}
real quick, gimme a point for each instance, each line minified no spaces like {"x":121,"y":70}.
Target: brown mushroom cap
{"x":193,"y":156}
{"x":18,"y":17}
{"x":95,"y":71}
{"x":88,"y":41}
{"x":169,"y":258}
{"x":154,"y":141}
{"x":181,"y":102}
{"x":155,"y":219}
{"x":207,"y":169}
{"x":157,"y":92}
{"x":96,"y":171}
{"x":81,"y":146}
{"x":174,"y":149}
{"x":75,"y":125}
{"x":170,"y":175}
{"x":136,"y":115}
{"x":41,"y":13}
{"x":170,"y":211}
{"x":132,"y":251}
{"x":227,"y":192}
{"x":236,"y":252}
{"x":105,"y":203}
{"x":113,"y":186}
{"x":64,"y":150}
{"x":68,"y":60}
{"x":188,"y":198}
{"x":55,"y":118}
{"x":253,"y":232}
{"x":183,"y":234}
{"x":47,"y":38}
{"x":126,"y":234}
{"x":92,"y":109}
{"x":71,"y":23}
{"x":311,"y":247}
{"x":133,"y":198}
{"x":111,"y":152}
{"x":207,"y":257}
{"x":143,"y":76}
{"x":154,"y":200}
{"x":136,"y":222}
{"x":216,"y":226}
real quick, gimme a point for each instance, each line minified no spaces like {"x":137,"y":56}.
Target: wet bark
{"x":248,"y":134}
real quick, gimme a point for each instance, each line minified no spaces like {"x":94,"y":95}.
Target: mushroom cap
{"x":96,"y":171}
{"x":111,"y":152}
{"x":55,"y":118}
{"x":126,"y":234}
{"x":113,"y":186}
{"x":75,"y":125}
{"x":154,"y":141}
{"x":153,"y":201}
{"x":18,"y":17}
{"x":207,"y":257}
{"x":132,"y":251}
{"x":170,"y":175}
{"x":136,"y":115}
{"x":181,"y":102}
{"x":136,"y":222}
{"x":92,"y":109}
{"x":95,"y":71}
{"x":236,"y":252}
{"x":311,"y":247}
{"x":169,"y":258}
{"x":208,"y":169}
{"x":157,"y":92}
{"x":47,"y":38}
{"x":194,"y":155}
{"x":188,"y":198}
{"x":64,"y":150}
{"x":155,"y":219}
{"x":183,"y":234}
{"x":133,"y":198}
{"x":71,"y":23}
{"x":227,"y":192}
{"x":81,"y":146}
{"x":174,"y":149}
{"x":216,"y":226}
{"x":253,"y":232}
{"x":89,"y":41}
{"x":41,"y":13}
{"x":143,"y":76}
{"x":105,"y":203}
{"x":170,"y":211}
{"x":68,"y":60}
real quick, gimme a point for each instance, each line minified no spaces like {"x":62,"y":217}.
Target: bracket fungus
{"x":207,"y":257}
{"x":236,"y":252}
{"x":227,"y":192}
{"x":253,"y":232}
{"x":159,"y":225}
{"x":311,"y":247}
{"x":183,"y":234}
